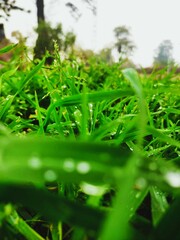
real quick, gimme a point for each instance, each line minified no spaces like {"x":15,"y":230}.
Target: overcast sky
{"x":150,"y":22}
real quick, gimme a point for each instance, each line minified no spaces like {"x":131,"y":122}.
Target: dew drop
{"x":93,"y":190}
{"x":35,"y":162}
{"x":50,"y":176}
{"x":173,"y":179}
{"x":63,"y":86}
{"x":140,"y":183}
{"x":138,"y":195}
{"x":91,"y":107}
{"x":69,"y":165}
{"x":77,"y":115}
{"x":8,"y":97}
{"x":83,"y":167}
{"x":153,"y":166}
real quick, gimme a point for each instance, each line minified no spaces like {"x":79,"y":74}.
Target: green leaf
{"x":159,"y":204}
{"x":30,"y":75}
{"x":9,"y":73}
{"x":90,"y":98}
{"x":163,"y":137}
{"x":12,"y":218}
{"x":132,"y":76}
{"x":53,"y":207}
{"x":5,"y":108}
{"x":168,"y":227}
{"x":7,"y":48}
{"x":41,"y":159}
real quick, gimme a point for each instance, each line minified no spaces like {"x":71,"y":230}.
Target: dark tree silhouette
{"x":163,"y":55}
{"x":123,"y":43}
{"x":2,"y":33}
{"x":40,"y":10}
{"x":45,"y":32}
{"x":6,"y":6}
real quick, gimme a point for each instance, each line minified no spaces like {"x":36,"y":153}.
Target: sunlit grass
{"x":88,"y":152}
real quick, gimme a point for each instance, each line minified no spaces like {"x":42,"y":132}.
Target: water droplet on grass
{"x":173,"y":179}
{"x":93,"y":189}
{"x":35,"y":162}
{"x":69,"y":165}
{"x":138,"y":195}
{"x":83,"y":167}
{"x":90,"y":108}
{"x":50,"y":176}
{"x":9,"y":97}
{"x":78,"y":116}
{"x":153,"y":166}
{"x":140,"y":183}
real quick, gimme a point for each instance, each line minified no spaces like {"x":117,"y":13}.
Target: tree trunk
{"x":2,"y":34}
{"x":40,"y":10}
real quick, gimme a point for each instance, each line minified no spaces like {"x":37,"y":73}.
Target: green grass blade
{"x":116,"y":226}
{"x":67,"y":161}
{"x":12,"y":218}
{"x":30,"y":75}
{"x":159,"y":204}
{"x":7,"y":48}
{"x":39,"y":115}
{"x":161,"y":136}
{"x":53,"y":207}
{"x":168,"y":227}
{"x":90,"y":98}
{"x":5,"y":108}
{"x":134,"y":80}
{"x":132,"y":76}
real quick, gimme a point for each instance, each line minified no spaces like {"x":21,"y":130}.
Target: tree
{"x":47,"y":36}
{"x":123,"y":43}
{"x":106,"y":55}
{"x":91,"y":4}
{"x":6,"y":6}
{"x":40,"y":11}
{"x":163,"y":55}
{"x":2,"y":33}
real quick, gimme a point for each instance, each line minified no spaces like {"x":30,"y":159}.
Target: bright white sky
{"x":150,"y":22}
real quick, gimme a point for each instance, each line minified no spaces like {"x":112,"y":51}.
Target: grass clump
{"x":88,"y":151}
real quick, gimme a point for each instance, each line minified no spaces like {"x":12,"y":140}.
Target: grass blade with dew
{"x":90,"y":98}
{"x":39,"y":115}
{"x":168,"y":225}
{"x":30,"y":75}
{"x":5,"y":108}
{"x":53,"y":207}
{"x":6,"y":75}
{"x":161,"y":136}
{"x":12,"y":218}
{"x":116,"y":226}
{"x":159,"y":204}
{"x":43,"y":158}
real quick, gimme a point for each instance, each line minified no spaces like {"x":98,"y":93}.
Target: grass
{"x":88,"y":151}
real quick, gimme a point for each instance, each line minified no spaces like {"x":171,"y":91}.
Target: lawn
{"x":88,"y":150}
